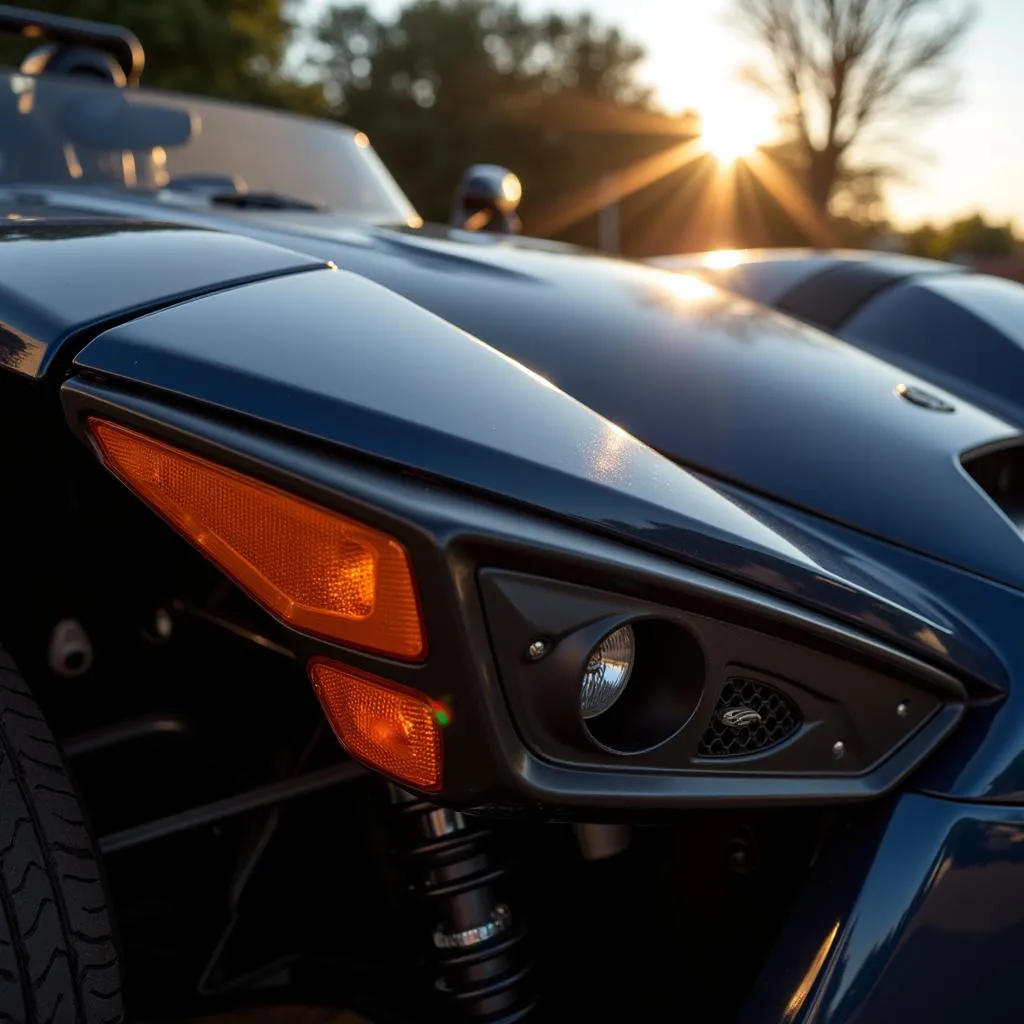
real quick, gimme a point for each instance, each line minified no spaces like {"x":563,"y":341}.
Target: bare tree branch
{"x":841,"y":68}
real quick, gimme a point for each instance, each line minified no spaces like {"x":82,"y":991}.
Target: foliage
{"x":845,"y":71}
{"x":441,"y":84}
{"x":435,"y":46}
{"x":964,"y":238}
{"x":446,"y":83}
{"x":232,"y":49}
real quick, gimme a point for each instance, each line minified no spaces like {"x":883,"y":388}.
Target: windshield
{"x":70,"y":131}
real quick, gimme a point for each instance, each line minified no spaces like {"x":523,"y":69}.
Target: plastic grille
{"x":777,"y":720}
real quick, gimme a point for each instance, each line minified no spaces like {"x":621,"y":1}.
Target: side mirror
{"x":487,"y":199}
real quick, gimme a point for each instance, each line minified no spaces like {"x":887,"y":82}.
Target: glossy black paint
{"x":829,"y":299}
{"x":539,"y":448}
{"x":958,"y":329}
{"x":820,"y":286}
{"x":72,"y":274}
{"x":711,"y":381}
{"x":840,"y":577}
{"x":450,"y":537}
{"x":918,"y":914}
{"x":325,"y":383}
{"x":832,"y":515}
{"x":967,"y":330}
{"x":763,"y":275}
{"x":373,"y":374}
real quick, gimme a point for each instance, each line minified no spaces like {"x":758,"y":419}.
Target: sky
{"x":971,"y":157}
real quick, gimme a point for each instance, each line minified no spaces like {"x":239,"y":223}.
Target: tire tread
{"x":56,"y":941}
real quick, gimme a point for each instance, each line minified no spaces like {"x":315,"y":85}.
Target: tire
{"x":58,"y":959}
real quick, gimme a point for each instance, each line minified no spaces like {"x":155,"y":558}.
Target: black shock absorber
{"x":478,"y":943}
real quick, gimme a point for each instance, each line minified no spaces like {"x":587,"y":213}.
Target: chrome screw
{"x":537,"y":650}
{"x":838,"y":749}
{"x":903,"y":709}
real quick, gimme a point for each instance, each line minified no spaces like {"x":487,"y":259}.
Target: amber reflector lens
{"x":384,"y":725}
{"x":318,"y":571}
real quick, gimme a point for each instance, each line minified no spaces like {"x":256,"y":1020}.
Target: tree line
{"x":560,"y":99}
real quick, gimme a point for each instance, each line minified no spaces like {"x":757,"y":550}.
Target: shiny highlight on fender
{"x":319,"y":572}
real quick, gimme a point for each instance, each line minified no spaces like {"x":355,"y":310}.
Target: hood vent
{"x":999,"y":471}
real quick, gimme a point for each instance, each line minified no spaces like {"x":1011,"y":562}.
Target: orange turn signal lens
{"x":316,"y":570}
{"x":386,"y":726}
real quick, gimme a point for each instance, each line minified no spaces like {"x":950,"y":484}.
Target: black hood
{"x":65,"y":272}
{"x":713,"y":381}
{"x":718,"y":384}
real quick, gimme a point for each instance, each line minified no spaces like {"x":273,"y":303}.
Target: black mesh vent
{"x":776,"y":719}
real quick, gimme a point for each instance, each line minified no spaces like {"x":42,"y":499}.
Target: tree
{"x":232,"y":49}
{"x":974,"y":236}
{"x":925,"y":240}
{"x":445,"y":83}
{"x":431,"y":43}
{"x":964,"y":238}
{"x":845,"y":70}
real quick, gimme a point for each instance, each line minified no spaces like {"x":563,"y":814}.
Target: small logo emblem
{"x":739,"y":718}
{"x":924,"y":399}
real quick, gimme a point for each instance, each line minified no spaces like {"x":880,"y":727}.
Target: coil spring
{"x":478,"y":944}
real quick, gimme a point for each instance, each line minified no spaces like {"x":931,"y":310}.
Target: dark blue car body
{"x":821,"y":486}
{"x":597,"y":412}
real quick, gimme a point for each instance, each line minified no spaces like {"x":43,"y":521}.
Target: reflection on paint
{"x":803,"y":990}
{"x":20,"y":352}
{"x":931,"y":639}
{"x":723,"y":259}
{"x":688,"y":288}
{"x":71,"y":160}
{"x":606,"y":457}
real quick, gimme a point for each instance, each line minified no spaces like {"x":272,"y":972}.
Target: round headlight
{"x":607,"y":672}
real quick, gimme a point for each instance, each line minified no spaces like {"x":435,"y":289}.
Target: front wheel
{"x":58,"y":960}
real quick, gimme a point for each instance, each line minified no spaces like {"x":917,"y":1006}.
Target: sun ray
{"x":723,"y":206}
{"x":781,"y":184}
{"x":564,"y":211}
{"x":576,"y":112}
{"x":683,"y":205}
{"x":697,"y":195}
{"x":719,"y":197}
{"x":751,"y":210}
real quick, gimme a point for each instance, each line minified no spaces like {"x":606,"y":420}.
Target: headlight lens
{"x":607,"y":672}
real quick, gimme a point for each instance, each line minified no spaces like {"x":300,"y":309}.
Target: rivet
{"x":903,"y":709}
{"x":838,"y":749}
{"x":537,"y":650}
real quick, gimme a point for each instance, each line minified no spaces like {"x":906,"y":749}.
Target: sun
{"x":732,"y":132}
{"x":728,"y":143}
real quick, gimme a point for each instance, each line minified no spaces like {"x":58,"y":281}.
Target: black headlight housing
{"x":802,"y":705}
